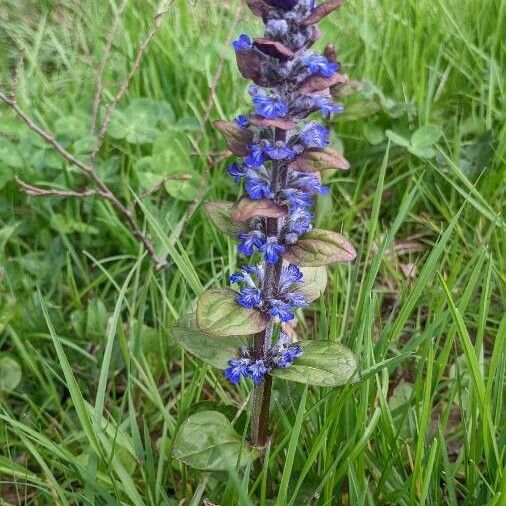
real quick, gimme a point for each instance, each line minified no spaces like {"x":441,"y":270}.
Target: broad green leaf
{"x":373,"y":133}
{"x":426,"y":136}
{"x":218,"y":314}
{"x":137,"y":123}
{"x":220,"y":214}
{"x":10,"y":154}
{"x":426,"y":152}
{"x":212,"y":350}
{"x":314,"y":282}
{"x":10,"y":374}
{"x":182,"y":185}
{"x":171,"y":159}
{"x":85,"y":144}
{"x":188,"y":124}
{"x":324,"y":363}
{"x":73,"y":126}
{"x":207,"y":441}
{"x":320,"y":247}
{"x":358,"y":110}
{"x":397,"y":139}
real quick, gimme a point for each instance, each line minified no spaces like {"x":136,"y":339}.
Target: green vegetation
{"x":93,"y":387}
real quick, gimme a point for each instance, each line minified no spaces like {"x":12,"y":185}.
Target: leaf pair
{"x":219,"y":315}
{"x":314,"y":249}
{"x":323,"y":363}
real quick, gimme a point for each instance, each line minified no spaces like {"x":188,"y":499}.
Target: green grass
{"x":86,"y":317}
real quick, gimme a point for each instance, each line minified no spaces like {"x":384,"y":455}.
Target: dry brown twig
{"x":158,"y":18}
{"x":101,"y":68}
{"x":89,"y":169}
{"x":37,"y":191}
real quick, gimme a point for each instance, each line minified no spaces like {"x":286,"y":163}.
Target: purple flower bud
{"x":284,"y":4}
{"x":242,"y":121}
{"x":236,"y":171}
{"x":242,"y":43}
{"x":276,"y":28}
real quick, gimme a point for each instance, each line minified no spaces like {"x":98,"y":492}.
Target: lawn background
{"x":422,"y":307}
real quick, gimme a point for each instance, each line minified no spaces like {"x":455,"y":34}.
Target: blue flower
{"x":249,"y":298}
{"x":307,"y":182}
{"x":270,"y":107}
{"x":289,"y":275}
{"x":255,"y":157}
{"x":295,"y":299}
{"x":326,"y":106}
{"x":242,"y":121}
{"x":299,"y":221}
{"x":236,"y":171}
{"x":258,"y":187}
{"x":257,"y":371}
{"x":279,"y":151}
{"x":250,"y":240}
{"x":239,"y":367}
{"x":272,"y":250}
{"x":280,"y":309}
{"x":276,"y":27}
{"x":295,"y":198}
{"x":242,"y":43}
{"x":287,"y":356}
{"x":314,"y":136}
{"x":236,"y":277}
{"x":318,"y":64}
{"x":244,"y":275}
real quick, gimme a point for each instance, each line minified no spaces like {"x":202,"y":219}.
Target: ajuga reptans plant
{"x":282,"y":149}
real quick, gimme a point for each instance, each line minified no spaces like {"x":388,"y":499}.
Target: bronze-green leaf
{"x":322,"y":10}
{"x":281,"y":123}
{"x":247,"y":208}
{"x":323,"y":363}
{"x":320,"y":247}
{"x":212,"y":350}
{"x":274,"y":48}
{"x":218,"y":314}
{"x":317,"y":82}
{"x":207,"y":441}
{"x":220,"y":214}
{"x":315,"y":160}
{"x":237,"y":138}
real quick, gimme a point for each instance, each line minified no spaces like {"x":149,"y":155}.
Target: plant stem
{"x":263,"y":341}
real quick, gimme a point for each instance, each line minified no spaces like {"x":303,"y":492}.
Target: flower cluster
{"x":283,"y":299}
{"x":281,"y":355}
{"x":278,"y":144}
